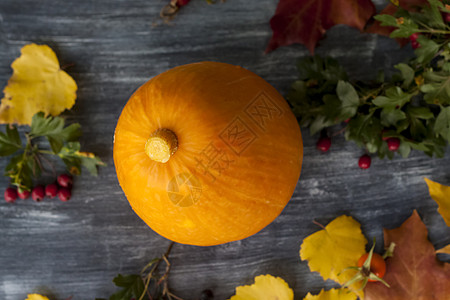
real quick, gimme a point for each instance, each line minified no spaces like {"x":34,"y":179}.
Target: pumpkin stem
{"x":161,"y":145}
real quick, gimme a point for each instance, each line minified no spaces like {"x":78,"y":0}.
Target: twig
{"x":148,"y":277}
{"x":318,"y":224}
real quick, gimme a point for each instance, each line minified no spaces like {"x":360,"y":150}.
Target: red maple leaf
{"x":413,"y":272}
{"x":306,"y":21}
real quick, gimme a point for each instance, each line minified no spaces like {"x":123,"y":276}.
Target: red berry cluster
{"x":413,"y":38}
{"x":62,"y":189}
{"x":324,"y":144}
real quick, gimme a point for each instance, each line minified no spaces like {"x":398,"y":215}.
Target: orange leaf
{"x":413,"y":272}
{"x":445,"y":250}
{"x":305,"y":21}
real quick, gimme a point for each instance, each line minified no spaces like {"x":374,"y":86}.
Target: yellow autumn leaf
{"x":333,"y":294}
{"x":37,"y":84}
{"x":337,"y":247}
{"x":36,"y":297}
{"x":441,"y":194}
{"x":445,"y":250}
{"x":266,"y":287}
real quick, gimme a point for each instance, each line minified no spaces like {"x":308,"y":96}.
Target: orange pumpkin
{"x":207,"y":153}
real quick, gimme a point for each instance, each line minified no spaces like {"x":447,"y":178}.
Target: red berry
{"x":323,"y":144}
{"x":413,"y":37}
{"x":24,"y":194}
{"x":447,"y":18}
{"x":10,"y":195}
{"x":182,"y":2}
{"x":64,"y":194}
{"x":65,"y":180}
{"x":393,"y":144}
{"x":51,"y":190}
{"x":348,"y":120}
{"x":364,"y":161}
{"x":38,"y":193}
{"x":415,"y":44}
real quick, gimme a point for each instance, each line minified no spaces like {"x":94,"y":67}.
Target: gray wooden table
{"x":76,"y":248}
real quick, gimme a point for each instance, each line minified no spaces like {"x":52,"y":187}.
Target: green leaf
{"x":386,"y":20}
{"x":405,"y":30}
{"x":442,"y":125}
{"x":402,"y":125}
{"x":434,"y":14}
{"x":10,"y":141}
{"x":53,"y":129}
{"x":407,"y":74}
{"x":417,"y":129}
{"x":132,"y":286}
{"x":322,"y":69}
{"x":404,"y":149}
{"x":318,"y":124}
{"x":20,"y":170}
{"x":74,"y":159}
{"x":420,"y":112}
{"x":395,"y":98}
{"x":390,"y":117}
{"x":427,"y":49}
{"x":349,"y":98}
{"x":437,"y":88}
{"x":331,"y":108}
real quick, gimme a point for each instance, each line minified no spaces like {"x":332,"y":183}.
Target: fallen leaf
{"x":445,"y":250}
{"x":413,"y":272}
{"x":37,"y":84}
{"x":333,"y":294}
{"x":331,"y":250}
{"x":306,"y":21}
{"x":266,"y":287}
{"x":36,"y":297}
{"x":441,"y":194}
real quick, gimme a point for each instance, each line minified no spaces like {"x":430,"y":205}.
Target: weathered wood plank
{"x":78,"y":247}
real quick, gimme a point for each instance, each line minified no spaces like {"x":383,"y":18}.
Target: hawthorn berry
{"x":415,"y":44}
{"x":65,"y":180}
{"x":364,"y":161}
{"x":24,"y":194}
{"x":393,"y":143}
{"x":64,"y":194}
{"x":323,"y":144}
{"x":447,"y":18}
{"x":10,"y":195}
{"x":413,"y":37}
{"x":182,"y":2}
{"x":38,"y":193}
{"x":51,"y":190}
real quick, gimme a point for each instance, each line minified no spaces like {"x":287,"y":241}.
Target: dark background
{"x":76,"y":248}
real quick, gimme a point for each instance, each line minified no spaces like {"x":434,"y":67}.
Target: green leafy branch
{"x":29,"y":163}
{"x":147,"y":284}
{"x":412,"y":106}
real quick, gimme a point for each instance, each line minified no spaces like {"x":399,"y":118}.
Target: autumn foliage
{"x":306,"y":21}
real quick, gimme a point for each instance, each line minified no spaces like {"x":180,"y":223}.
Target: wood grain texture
{"x":76,"y":248}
